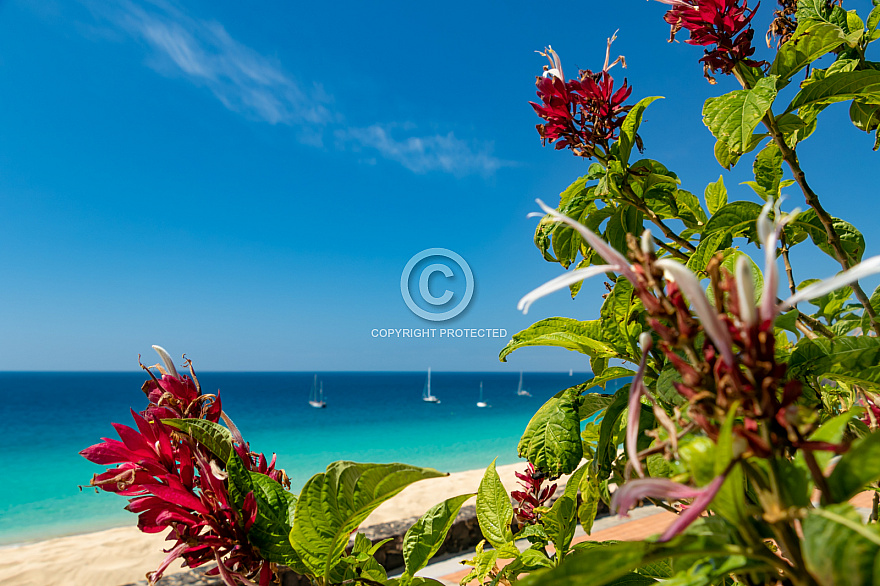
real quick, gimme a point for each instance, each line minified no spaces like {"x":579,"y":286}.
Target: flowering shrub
{"x":752,"y":418}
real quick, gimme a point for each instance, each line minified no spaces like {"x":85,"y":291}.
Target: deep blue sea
{"x":371,"y":417}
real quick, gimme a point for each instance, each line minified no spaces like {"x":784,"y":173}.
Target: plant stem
{"x":788,"y":271}
{"x":825,"y":218}
{"x":640,"y":205}
{"x":817,"y":475}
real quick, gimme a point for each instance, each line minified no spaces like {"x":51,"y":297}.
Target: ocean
{"x":370,"y":417}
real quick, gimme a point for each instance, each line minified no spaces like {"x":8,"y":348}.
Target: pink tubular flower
{"x":628,"y":495}
{"x":582,"y":113}
{"x":723,"y":23}
{"x":636,"y":390}
{"x":176,"y":484}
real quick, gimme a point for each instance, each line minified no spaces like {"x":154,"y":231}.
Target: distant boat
{"x":570,"y":372}
{"x":316,"y":397}
{"x":481,"y":403}
{"x":520,"y":391}
{"x":426,"y":392}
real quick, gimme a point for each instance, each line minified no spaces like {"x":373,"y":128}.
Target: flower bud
{"x":648,"y":243}
{"x":645,"y":342}
{"x":745,"y":291}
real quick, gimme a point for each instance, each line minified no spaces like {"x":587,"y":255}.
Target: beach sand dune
{"x":125,"y":555}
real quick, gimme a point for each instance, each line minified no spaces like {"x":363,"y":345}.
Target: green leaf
{"x":534,"y":559}
{"x":839,"y":549}
{"x":863,"y":86}
{"x":768,"y":170}
{"x":737,"y":218}
{"x":552,"y":440}
{"x":600,"y":564}
{"x":562,"y":332}
{"x":560,"y":522}
{"x":423,"y":539}
{"x":690,"y":210}
{"x":852,"y":360}
{"x":805,"y":46}
{"x":851,"y":240}
{"x":275,"y":511}
{"x":494,"y":511}
{"x":630,"y":127}
{"x":610,"y":373}
{"x":733,"y":117}
{"x":716,"y":195}
{"x":619,"y":318}
{"x":856,"y":468}
{"x":212,"y":435}
{"x":589,"y":487}
{"x":606,"y":450}
{"x":707,"y":248}
{"x":334,"y":503}
{"x":730,"y":501}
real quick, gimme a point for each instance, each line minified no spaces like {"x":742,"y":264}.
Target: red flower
{"x":723,"y":23}
{"x":177,"y":484}
{"x":534,"y":494}
{"x":581,"y":114}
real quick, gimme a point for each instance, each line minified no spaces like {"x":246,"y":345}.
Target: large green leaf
{"x":733,"y":117}
{"x":212,"y":435}
{"x":600,"y":564}
{"x":839,"y":549}
{"x":851,"y":240}
{"x":563,"y":332}
{"x":630,"y":127}
{"x":560,"y":522}
{"x":334,"y":503}
{"x":275,"y":511}
{"x":423,"y":539}
{"x":737,"y":218}
{"x":863,"y":86}
{"x":768,"y":171}
{"x":619,"y":317}
{"x":807,"y":44}
{"x":552,"y":439}
{"x":856,"y":468}
{"x":851,"y":359}
{"x":494,"y":511}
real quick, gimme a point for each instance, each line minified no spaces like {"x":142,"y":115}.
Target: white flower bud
{"x":647,"y":242}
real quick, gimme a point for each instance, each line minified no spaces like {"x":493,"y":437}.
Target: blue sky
{"x":245,"y":183}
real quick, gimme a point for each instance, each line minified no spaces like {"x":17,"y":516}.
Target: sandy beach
{"x":124,"y":555}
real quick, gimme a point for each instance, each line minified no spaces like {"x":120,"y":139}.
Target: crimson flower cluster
{"x":175,"y":483}
{"x":534,"y":494}
{"x":582,"y":114}
{"x":722,"y":23}
{"x":713,"y":383}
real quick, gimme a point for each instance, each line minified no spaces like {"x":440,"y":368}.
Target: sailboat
{"x":316,"y":397}
{"x":481,"y":403}
{"x":426,"y":393}
{"x":520,"y":391}
{"x":570,"y":372}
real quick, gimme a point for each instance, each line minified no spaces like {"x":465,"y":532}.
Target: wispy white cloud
{"x":204,"y":52}
{"x":247,"y":82}
{"x":421,"y":154}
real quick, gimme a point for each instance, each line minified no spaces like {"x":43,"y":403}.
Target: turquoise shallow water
{"x":371,"y":417}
